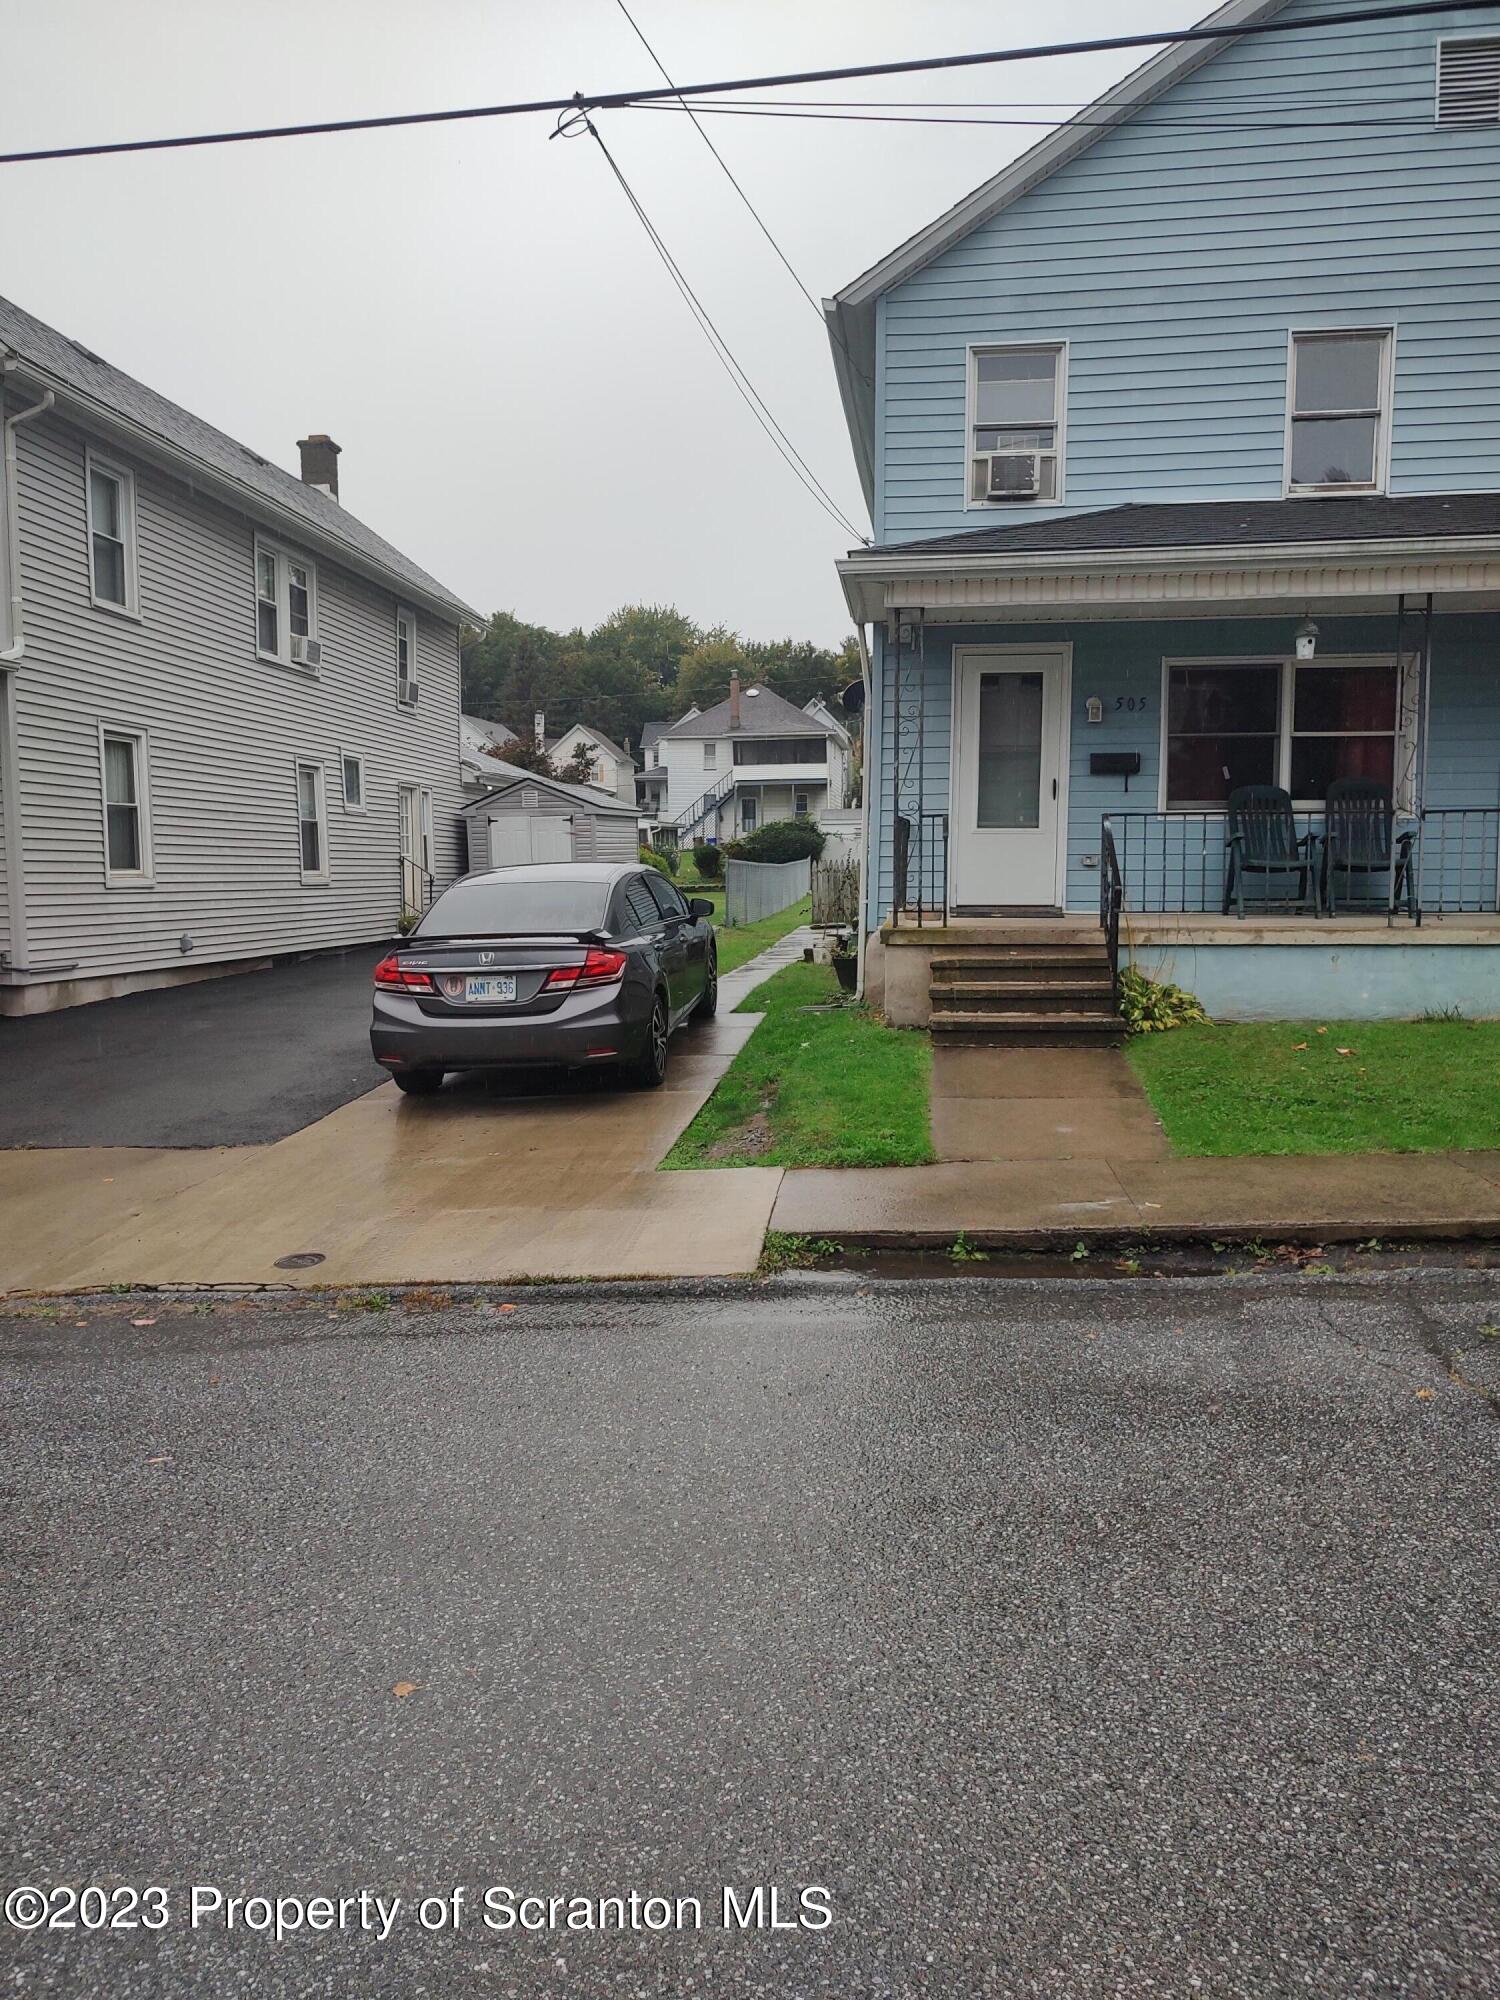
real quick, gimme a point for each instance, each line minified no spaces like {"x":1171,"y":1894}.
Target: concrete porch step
{"x":1062,"y":957}
{"x":1027,"y":1030}
{"x":1040,"y":996}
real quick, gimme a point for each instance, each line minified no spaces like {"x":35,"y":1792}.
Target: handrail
{"x":702,"y":807}
{"x":1111,"y":902}
{"x":415,"y":877}
{"x":923,"y":859}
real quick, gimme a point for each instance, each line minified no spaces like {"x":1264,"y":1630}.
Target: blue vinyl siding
{"x":1174,"y":256}
{"x":1122,"y":662}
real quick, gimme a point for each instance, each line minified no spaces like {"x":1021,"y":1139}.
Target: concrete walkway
{"x":488,"y":1180}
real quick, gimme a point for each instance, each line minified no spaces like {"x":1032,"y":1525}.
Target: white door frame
{"x":1060,"y":650}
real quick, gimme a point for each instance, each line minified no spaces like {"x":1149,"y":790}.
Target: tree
{"x":579,"y":769}
{"x":703,"y":677}
{"x":529,"y":755}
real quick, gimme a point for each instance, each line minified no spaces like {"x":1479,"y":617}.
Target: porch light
{"x":1307,"y":639}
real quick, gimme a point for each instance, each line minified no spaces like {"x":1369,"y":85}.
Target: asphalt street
{"x":1078,"y":1639}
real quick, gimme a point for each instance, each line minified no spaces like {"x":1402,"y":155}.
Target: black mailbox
{"x":1124,"y":764}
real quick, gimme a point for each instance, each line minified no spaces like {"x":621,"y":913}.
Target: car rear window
{"x":487,"y":908}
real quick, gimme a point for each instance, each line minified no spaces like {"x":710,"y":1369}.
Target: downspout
{"x":10,"y":775}
{"x":16,"y":632}
{"x":864,"y":811}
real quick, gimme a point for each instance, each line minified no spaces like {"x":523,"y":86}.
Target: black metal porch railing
{"x":1174,"y":862}
{"x":921,"y":868}
{"x":417,"y":885}
{"x":1111,"y":902}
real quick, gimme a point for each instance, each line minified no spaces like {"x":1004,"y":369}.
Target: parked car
{"x":571,"y":964}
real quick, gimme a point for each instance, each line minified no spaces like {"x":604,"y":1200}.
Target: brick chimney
{"x":734,"y":701}
{"x":320,"y":463}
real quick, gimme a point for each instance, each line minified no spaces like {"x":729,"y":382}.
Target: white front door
{"x":1011,"y":706}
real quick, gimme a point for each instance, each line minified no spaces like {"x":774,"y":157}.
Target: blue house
{"x":1181,"y":438}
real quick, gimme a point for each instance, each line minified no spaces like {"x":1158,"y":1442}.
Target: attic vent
{"x":1468,"y":90}
{"x":530,"y":796}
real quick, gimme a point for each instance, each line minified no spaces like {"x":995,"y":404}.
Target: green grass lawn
{"x":836,"y":1089}
{"x":1403,"y":1086}
{"x":746,"y":940}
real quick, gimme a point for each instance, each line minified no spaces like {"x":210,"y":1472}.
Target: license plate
{"x":490,"y":986}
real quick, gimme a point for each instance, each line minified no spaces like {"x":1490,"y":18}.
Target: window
{"x":1468,"y":80}
{"x":1338,"y":410}
{"x":312,"y":823}
{"x":1017,"y":401}
{"x":1298,"y":724}
{"x":286,"y":606}
{"x":640,"y":907}
{"x":127,"y":827}
{"x":111,"y":524}
{"x":749,"y":812}
{"x":782,"y":750}
{"x":655,"y":755}
{"x":665,"y":896}
{"x":799,"y":805}
{"x":406,"y":646}
{"x":710,"y":756}
{"x":353,"y":769}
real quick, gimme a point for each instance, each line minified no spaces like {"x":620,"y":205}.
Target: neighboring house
{"x":747,"y":760}
{"x":1198,"y":374}
{"x":481,"y":743}
{"x":228,"y":710}
{"x":530,"y":818}
{"x":611,"y":769}
{"x":651,"y":779}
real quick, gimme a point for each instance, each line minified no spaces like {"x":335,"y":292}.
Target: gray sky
{"x":525,"y":406}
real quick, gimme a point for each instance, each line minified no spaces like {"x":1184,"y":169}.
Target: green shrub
{"x":1151,"y":1006}
{"x":778,"y":840}
{"x":654,"y":858}
{"x":708,"y":860}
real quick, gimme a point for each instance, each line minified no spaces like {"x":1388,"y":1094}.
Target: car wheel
{"x":708,"y":1005}
{"x":650,"y":1066}
{"x":417,"y":1082}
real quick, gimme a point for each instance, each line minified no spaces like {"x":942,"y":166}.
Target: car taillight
{"x":599,"y":968}
{"x":392,"y":973}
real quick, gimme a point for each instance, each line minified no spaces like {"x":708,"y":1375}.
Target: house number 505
{"x":1132,"y":704}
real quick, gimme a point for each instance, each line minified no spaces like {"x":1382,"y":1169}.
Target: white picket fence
{"x":756,"y":889}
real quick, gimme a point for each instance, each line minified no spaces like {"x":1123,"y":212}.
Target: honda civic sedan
{"x":571,"y":965}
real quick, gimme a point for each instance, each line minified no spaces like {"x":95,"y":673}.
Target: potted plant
{"x":845,"y":960}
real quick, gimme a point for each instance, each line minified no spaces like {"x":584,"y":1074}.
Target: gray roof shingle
{"x":68,"y":366}
{"x":762,"y":713}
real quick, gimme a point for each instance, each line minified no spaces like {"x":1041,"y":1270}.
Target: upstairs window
{"x":1016,"y":402}
{"x":406,"y":646}
{"x":1468,"y":80}
{"x":1338,"y":412}
{"x":710,"y":756}
{"x":286,"y":606}
{"x":111,"y":523}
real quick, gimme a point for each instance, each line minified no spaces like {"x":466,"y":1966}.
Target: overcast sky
{"x":472,"y":311}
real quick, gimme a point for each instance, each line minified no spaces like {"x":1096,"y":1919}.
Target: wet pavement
{"x":1076,"y":1638}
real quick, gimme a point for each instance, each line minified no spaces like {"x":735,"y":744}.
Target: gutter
{"x":16,"y":626}
{"x":864,"y":813}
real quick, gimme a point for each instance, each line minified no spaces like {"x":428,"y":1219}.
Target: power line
{"x":1286,"y":122}
{"x":755,"y":402}
{"x":728,"y":174}
{"x":617,"y":99}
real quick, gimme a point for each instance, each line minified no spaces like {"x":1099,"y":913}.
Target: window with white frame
{"x":749,"y":815}
{"x":312,"y":823}
{"x":1468,"y":80}
{"x":1300,"y":724}
{"x":799,"y":805}
{"x":127,"y":825}
{"x":1338,"y":411}
{"x":406,"y":646}
{"x":1016,"y":398}
{"x":286,"y":606}
{"x":111,"y":526}
{"x":710,"y":756}
{"x":352,"y":769}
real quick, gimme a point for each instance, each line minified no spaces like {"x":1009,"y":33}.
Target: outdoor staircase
{"x":1034,"y":988}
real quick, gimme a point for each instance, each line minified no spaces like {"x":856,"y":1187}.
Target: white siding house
{"x":749,"y":760}
{"x":612,"y":769}
{"x":228,"y":711}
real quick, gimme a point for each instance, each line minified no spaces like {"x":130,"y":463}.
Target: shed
{"x":527,"y":817}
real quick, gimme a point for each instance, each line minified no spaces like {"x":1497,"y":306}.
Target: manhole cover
{"x":300,"y":1260}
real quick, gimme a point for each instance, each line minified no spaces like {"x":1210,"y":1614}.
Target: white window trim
{"x":1476,"y":125}
{"x":412,"y":678}
{"x":710,"y":754}
{"x":94,"y":461}
{"x":1289,"y":663}
{"x":352,"y":757}
{"x":971,"y":382}
{"x":1384,"y":425}
{"x":143,"y":877}
{"x":311,"y":876}
{"x":284,"y":554}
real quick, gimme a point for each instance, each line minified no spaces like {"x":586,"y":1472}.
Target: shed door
{"x":552,"y":839}
{"x":516,"y":838}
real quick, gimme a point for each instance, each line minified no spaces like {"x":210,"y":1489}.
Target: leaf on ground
{"x":1322,"y":1031}
{"x":503,"y":1309}
{"x":1425,"y":1395}
{"x":1299,"y":1045}
{"x":143,"y":1322}
{"x":1343,"y":1052}
{"x":403,"y":1688}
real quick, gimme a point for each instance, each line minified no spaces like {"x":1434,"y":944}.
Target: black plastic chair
{"x":1360,"y":839}
{"x":1262,"y":840}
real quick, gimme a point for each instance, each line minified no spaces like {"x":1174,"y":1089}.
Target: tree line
{"x":644,"y":663}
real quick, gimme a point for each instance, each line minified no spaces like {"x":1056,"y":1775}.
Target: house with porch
{"x":749,"y":759}
{"x":1181,"y":438}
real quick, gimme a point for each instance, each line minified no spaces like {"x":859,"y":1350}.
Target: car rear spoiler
{"x":410,"y":943}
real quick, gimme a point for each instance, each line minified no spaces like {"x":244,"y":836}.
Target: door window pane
{"x":1010,"y":750}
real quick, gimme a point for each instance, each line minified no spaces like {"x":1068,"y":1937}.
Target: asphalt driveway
{"x":1079,"y":1639}
{"x":229,"y":1062}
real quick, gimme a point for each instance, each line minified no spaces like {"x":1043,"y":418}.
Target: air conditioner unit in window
{"x":1013,"y":475}
{"x":406,"y":693}
{"x":306,"y":652}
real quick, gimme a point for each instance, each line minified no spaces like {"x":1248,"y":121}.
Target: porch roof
{"x":1359,"y":553}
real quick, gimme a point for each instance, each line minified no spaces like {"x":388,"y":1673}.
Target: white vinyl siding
{"x":286,"y":604}
{"x":109,"y":493}
{"x":125,"y":790}
{"x":312,"y":823}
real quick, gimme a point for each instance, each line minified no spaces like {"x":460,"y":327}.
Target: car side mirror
{"x":700,"y":906}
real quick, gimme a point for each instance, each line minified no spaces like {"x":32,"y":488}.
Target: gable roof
{"x":512,"y":775}
{"x":483,"y":729}
{"x":762,"y":713}
{"x":603,"y":741}
{"x":94,"y":393}
{"x":850,"y":314}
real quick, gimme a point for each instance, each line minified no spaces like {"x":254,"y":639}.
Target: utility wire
{"x":1290,"y":121}
{"x":609,"y":100}
{"x":757,"y":405}
{"x":698,"y":126}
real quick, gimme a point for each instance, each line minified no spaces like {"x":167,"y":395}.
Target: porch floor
{"x":1199,"y":927}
